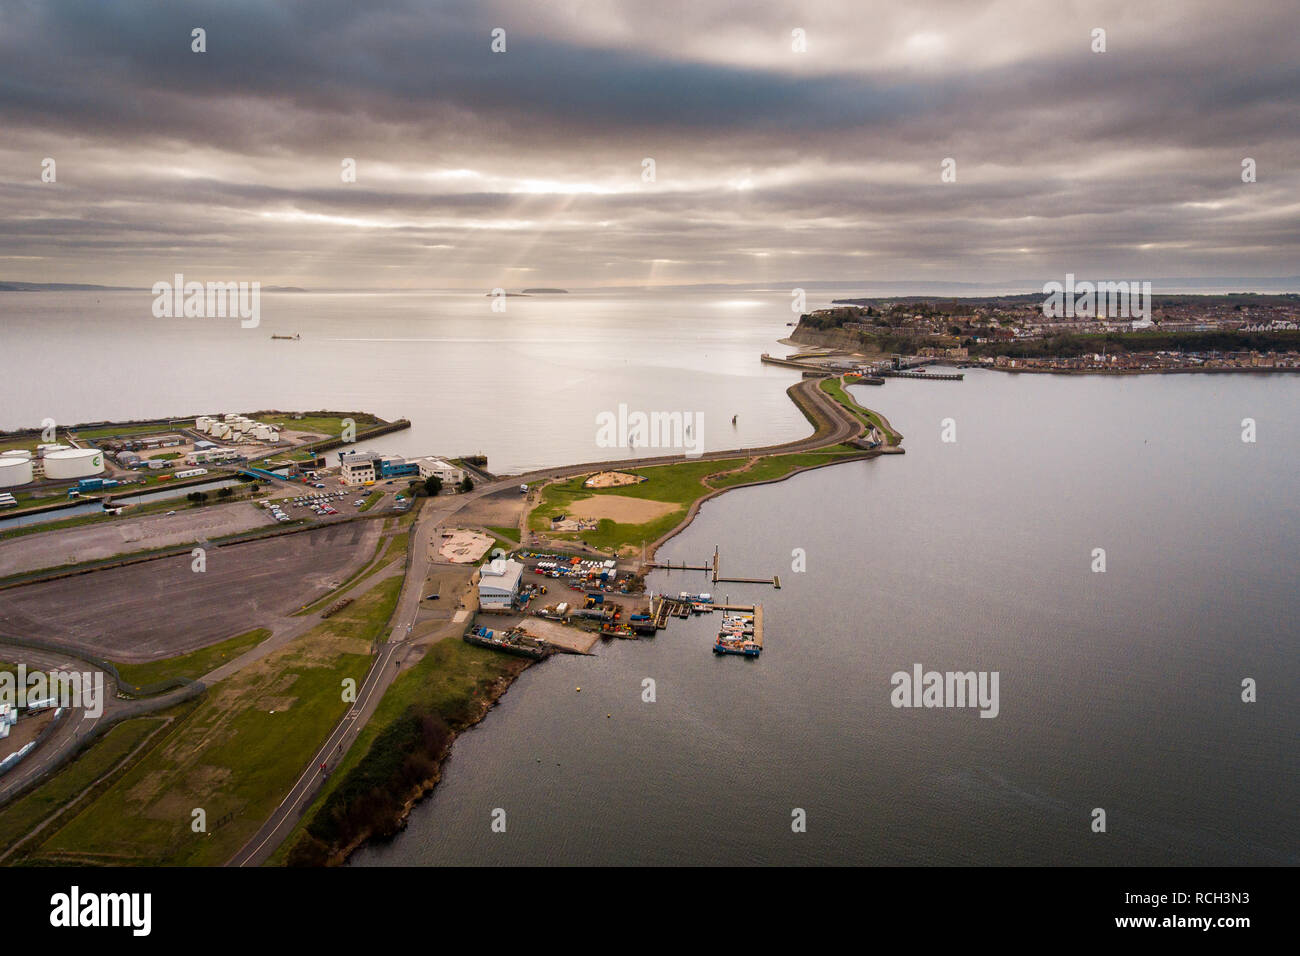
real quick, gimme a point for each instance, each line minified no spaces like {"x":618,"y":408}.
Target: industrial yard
{"x":161,"y":608}
{"x":93,"y":542}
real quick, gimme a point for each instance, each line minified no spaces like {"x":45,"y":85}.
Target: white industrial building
{"x":212,"y":454}
{"x":449,"y":473}
{"x":358,"y":467}
{"x":498,"y":584}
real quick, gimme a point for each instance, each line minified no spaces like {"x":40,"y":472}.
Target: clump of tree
{"x":372,"y":798}
{"x":465,"y":484}
{"x":433,"y":486}
{"x":197,"y":497}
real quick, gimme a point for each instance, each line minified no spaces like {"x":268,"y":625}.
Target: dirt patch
{"x":612,"y":479}
{"x":465,"y":547}
{"x":622,"y":509}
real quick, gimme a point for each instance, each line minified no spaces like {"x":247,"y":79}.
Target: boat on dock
{"x":509,"y":642}
{"x":741,"y":632}
{"x":745,"y":647}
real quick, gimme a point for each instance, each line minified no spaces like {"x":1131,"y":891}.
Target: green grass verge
{"x":509,"y":534}
{"x":835,"y":389}
{"x":23,"y":814}
{"x":194,"y":664}
{"x":778,"y":466}
{"x":448,"y":683}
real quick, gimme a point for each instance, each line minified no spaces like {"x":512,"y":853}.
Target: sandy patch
{"x":465,"y":547}
{"x":622,"y":509}
{"x":612,"y":479}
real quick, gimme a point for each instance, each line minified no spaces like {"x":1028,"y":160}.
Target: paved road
{"x":435,"y":514}
{"x":77,"y":724}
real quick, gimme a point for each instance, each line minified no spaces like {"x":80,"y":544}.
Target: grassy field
{"x":113,"y":431}
{"x":447,"y":682}
{"x":509,"y":534}
{"x":331,"y":425}
{"x":834,"y":387}
{"x":234,"y":756}
{"x":778,"y":466}
{"x":192,"y":665}
{"x":680,"y":483}
{"x":372,"y":499}
{"x":22,"y":815}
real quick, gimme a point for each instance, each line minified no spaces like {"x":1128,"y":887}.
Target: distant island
{"x":545,"y":292}
{"x":60,"y":287}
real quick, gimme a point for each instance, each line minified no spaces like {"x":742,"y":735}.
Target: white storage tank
{"x":74,"y":463}
{"x":236,"y":436}
{"x":201,"y":421}
{"x":43,"y":450}
{"x":16,"y":453}
{"x":14,"y":471}
{"x":220,"y":430}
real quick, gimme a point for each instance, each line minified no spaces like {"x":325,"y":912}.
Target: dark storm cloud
{"x":816,"y":163}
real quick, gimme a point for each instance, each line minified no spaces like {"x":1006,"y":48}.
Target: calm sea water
{"x":1118,"y":690}
{"x":524,"y":386}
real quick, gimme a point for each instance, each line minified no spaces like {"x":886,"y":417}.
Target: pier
{"x":935,"y":376}
{"x":787,"y":363}
{"x":714,"y":570}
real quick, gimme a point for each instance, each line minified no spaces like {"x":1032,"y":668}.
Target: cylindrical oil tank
{"x":74,"y":463}
{"x":14,"y":471}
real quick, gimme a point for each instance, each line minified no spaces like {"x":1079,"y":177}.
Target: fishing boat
{"x":742,"y":647}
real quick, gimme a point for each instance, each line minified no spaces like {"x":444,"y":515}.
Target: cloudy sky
{"x":526,"y":167}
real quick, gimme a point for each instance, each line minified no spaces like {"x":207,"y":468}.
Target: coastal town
{"x":1236,"y":332}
